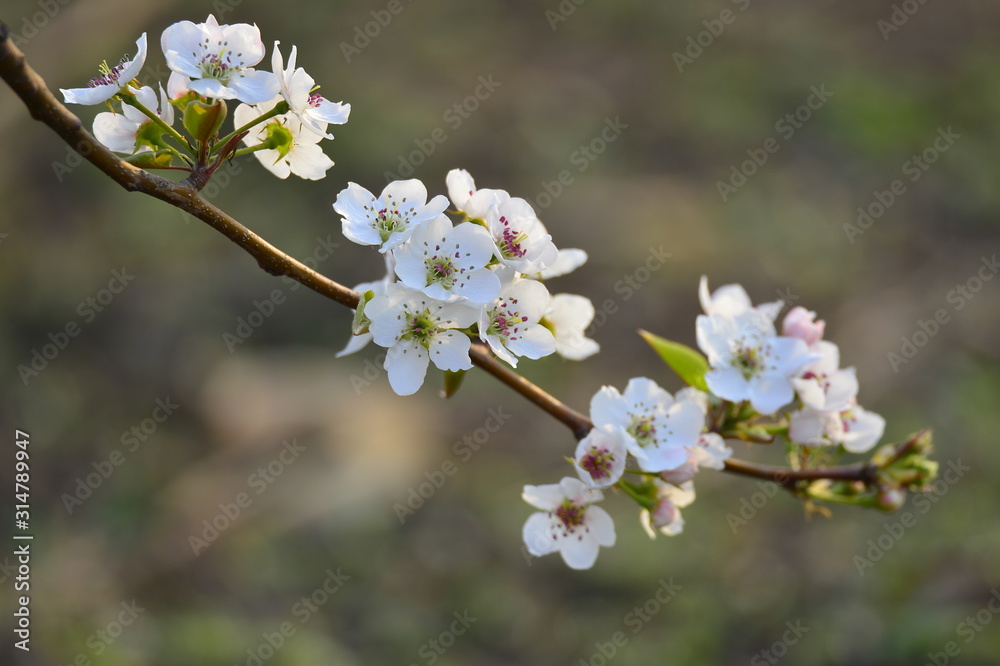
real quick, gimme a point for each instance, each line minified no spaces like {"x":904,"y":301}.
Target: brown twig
{"x":44,"y":107}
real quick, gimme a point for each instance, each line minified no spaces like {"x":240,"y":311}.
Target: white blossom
{"x":118,"y":131}
{"x":568,"y":317}
{"x":659,"y":428}
{"x":389,"y":220}
{"x":299,"y":90}
{"x":600,"y":456}
{"x":417,"y":329}
{"x":302,"y":157}
{"x":217,"y":60}
{"x":511,"y":324}
{"x":447,"y":262}
{"x":569,"y":522}
{"x":111,"y":80}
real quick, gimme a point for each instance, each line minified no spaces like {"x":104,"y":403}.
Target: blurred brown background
{"x":328,"y":505}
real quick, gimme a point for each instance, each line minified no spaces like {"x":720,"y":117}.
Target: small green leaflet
{"x":689,"y":365}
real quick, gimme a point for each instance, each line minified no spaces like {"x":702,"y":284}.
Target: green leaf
{"x":688,"y":363}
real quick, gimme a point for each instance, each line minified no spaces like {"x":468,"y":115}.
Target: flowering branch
{"x":476,"y":279}
{"x":44,"y":107}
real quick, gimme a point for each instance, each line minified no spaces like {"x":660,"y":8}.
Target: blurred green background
{"x":330,"y":506}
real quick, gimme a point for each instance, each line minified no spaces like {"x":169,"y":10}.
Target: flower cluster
{"x":479,"y":273}
{"x":281,"y":117}
{"x":448,"y":283}
{"x":749,"y":374}
{"x":751,"y":362}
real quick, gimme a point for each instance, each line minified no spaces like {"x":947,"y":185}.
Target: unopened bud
{"x":889,"y":498}
{"x":800,"y":323}
{"x":681,"y":474}
{"x":664,"y":514}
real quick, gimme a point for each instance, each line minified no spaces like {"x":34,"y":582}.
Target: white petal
{"x":244,"y":39}
{"x":644,"y":391}
{"x":255,"y":86}
{"x":212,"y":88}
{"x":177,"y":85}
{"x":568,"y":260}
{"x":770,"y":392}
{"x":728,"y":383}
{"x":480,"y":286}
{"x":608,"y":407}
{"x":461,"y":187}
{"x":182,"y":47}
{"x":538,"y":534}
{"x":273,"y":162}
{"x":602,"y":527}
{"x":116,"y":132}
{"x":449,"y":350}
{"x":309,"y":162}
{"x":406,"y":364}
{"x":546,"y":498}
{"x":864,"y":431}
{"x":533,"y":342}
{"x":355,"y":344}
{"x":89,"y":96}
{"x":412,"y":191}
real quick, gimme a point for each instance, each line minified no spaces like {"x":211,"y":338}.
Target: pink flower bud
{"x":664,"y":514}
{"x":890,"y":498}
{"x":800,"y":323}
{"x":682,"y":474}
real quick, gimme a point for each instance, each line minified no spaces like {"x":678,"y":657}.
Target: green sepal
{"x":452,"y":381}
{"x":150,"y":159}
{"x":360,"y":323}
{"x":688,"y":363}
{"x":203,"y":120}
{"x":278,"y":138}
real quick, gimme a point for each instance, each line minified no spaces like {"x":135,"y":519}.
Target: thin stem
{"x":279,"y":109}
{"x":250,"y":149}
{"x":132,"y":100}
{"x":44,"y":107}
